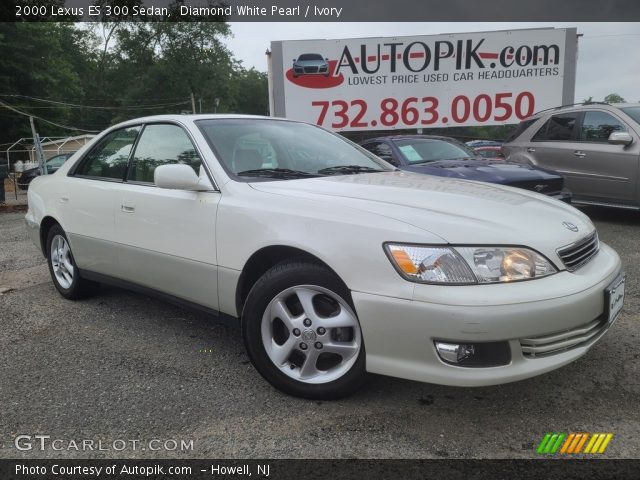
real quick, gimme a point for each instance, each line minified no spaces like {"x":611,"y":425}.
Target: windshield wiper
{"x":276,"y":173}
{"x":346,"y":169}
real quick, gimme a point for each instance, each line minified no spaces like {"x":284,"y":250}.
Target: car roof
{"x":193,"y":117}
{"x":580,"y":107}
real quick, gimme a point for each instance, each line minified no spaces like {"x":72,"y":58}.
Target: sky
{"x":608,"y":53}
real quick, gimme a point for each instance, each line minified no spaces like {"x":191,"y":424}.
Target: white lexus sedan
{"x":333,"y":262}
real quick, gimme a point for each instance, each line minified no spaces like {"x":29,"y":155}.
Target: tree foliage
{"x":114,"y":71}
{"x":613,"y":98}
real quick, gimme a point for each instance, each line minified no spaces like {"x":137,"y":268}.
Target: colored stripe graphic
{"x":550,"y":443}
{"x":573,"y":443}
{"x":598,"y":443}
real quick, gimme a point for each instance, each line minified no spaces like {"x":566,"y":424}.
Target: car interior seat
{"x":246,"y":159}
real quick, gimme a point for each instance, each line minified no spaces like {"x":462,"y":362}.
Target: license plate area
{"x":614,"y":298}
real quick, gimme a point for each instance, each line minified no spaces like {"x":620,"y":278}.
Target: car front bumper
{"x":399,"y":334}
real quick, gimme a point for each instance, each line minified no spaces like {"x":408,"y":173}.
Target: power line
{"x":67,"y":127}
{"x":75,"y":105}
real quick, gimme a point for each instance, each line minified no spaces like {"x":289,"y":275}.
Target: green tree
{"x":613,"y":98}
{"x":43,"y":60}
{"x":250,"y":92}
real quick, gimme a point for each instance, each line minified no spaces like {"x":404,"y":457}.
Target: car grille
{"x":577,"y":254}
{"x":310,"y":69}
{"x":561,"y":341}
{"x":545,"y":187}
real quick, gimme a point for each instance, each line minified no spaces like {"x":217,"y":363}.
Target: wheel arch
{"x":45,"y":225}
{"x":264,"y":259}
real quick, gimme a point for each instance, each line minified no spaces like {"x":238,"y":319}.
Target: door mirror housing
{"x":179,"y":176}
{"x":620,"y":138}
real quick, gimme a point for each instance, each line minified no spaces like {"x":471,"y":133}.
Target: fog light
{"x":454,"y":352}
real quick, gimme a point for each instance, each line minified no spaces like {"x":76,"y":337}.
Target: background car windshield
{"x":430,"y":150}
{"x":58,"y":160}
{"x":633,"y":112}
{"x":244,"y":145}
{"x":309,"y":56}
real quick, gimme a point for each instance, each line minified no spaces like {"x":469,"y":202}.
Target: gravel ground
{"x":123,"y":366}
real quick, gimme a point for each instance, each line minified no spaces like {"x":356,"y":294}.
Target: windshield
{"x":305,"y":57}
{"x":58,"y":160}
{"x":423,"y":150}
{"x":280,"y":149}
{"x":633,"y":112}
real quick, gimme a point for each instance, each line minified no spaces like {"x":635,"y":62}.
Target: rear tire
{"x":302,"y":334}
{"x":62,"y":267}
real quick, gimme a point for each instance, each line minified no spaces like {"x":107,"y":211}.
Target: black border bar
{"x":538,"y":469}
{"x":328,"y":10}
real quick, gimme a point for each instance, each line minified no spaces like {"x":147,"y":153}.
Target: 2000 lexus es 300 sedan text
{"x":334,"y":262}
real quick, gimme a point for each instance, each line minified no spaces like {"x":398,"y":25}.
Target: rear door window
{"x":109,"y":158}
{"x":559,"y":127}
{"x":519,"y":130}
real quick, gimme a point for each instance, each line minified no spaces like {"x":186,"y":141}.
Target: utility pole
{"x":38,"y":147}
{"x":193,"y":102}
{"x":200,"y":105}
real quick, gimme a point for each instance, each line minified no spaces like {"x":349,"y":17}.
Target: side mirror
{"x":179,"y":177}
{"x":620,"y":138}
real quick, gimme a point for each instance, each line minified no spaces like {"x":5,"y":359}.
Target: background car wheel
{"x":62,"y":267}
{"x":302,"y":334}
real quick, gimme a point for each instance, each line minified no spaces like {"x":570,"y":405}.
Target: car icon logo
{"x":570,"y":226}
{"x":539,"y":188}
{"x":311,"y":64}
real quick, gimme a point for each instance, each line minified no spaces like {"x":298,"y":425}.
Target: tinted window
{"x":428,"y":150}
{"x":378,"y":148}
{"x":309,"y":56}
{"x":557,"y":128}
{"x":522,"y":126}
{"x":541,"y":134}
{"x":597,"y":126}
{"x":109,"y":158}
{"x":161,"y":145}
{"x":633,"y":112}
{"x":490,"y":153}
{"x":58,"y":160}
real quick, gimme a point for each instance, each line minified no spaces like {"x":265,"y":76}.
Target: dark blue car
{"x":447,"y":157}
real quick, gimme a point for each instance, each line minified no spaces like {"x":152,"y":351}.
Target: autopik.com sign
{"x":485,"y":78}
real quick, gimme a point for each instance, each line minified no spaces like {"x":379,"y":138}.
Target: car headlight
{"x":467,"y":265}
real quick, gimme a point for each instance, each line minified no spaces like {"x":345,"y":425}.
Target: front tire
{"x":62,"y":267}
{"x":302,"y":334}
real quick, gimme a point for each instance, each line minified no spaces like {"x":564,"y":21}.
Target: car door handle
{"x":580,"y":154}
{"x":531,"y":149}
{"x":127,"y":208}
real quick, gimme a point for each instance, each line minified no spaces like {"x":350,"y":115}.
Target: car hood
{"x":484,"y":170}
{"x":457,"y":211}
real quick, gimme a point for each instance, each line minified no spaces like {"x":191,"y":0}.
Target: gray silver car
{"x":595,"y":146}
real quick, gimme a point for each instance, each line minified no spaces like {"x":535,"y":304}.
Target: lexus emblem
{"x":539,"y":188}
{"x":570,"y":226}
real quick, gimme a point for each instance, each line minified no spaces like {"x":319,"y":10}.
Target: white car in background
{"x":333,"y":262}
